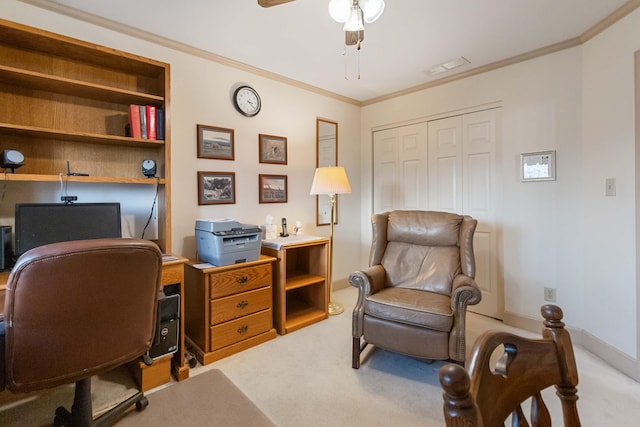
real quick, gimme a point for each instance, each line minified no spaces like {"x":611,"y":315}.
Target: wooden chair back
{"x":490,"y":392}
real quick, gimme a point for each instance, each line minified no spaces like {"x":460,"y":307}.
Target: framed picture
{"x":215,"y":143}
{"x":539,"y":166}
{"x":272,"y":188}
{"x":216,"y":188}
{"x":273,"y":149}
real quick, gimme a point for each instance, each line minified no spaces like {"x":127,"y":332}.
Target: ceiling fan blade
{"x":269,"y":3}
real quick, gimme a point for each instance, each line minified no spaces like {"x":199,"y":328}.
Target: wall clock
{"x":247,"y":101}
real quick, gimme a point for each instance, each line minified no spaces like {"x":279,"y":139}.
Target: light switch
{"x":610,"y":184}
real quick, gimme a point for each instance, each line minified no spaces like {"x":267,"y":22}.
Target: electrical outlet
{"x":550,"y":294}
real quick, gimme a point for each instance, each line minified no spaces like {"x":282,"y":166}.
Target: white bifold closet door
{"x":447,"y":165}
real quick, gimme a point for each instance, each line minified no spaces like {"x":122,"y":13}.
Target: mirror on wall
{"x":326,"y":155}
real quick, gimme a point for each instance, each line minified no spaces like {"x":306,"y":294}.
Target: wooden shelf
{"x":55,"y":45}
{"x":64,"y":135}
{"x":299,"y":280}
{"x":28,"y":177}
{"x":66,"y":101}
{"x":49,"y":83}
{"x":301,"y":314}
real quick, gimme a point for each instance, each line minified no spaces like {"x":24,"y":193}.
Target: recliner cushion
{"x":411,"y":306}
{"x":421,"y":267}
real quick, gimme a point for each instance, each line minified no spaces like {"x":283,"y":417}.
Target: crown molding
{"x":599,"y":27}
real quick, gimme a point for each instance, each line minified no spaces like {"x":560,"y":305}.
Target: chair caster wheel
{"x":62,"y":417}
{"x":142,"y":403}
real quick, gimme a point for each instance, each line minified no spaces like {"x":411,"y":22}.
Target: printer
{"x":226,"y":241}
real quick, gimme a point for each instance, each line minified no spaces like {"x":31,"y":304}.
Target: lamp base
{"x":335,"y":308}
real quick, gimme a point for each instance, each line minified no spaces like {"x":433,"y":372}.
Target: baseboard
{"x":340,"y":284}
{"x":609,"y":354}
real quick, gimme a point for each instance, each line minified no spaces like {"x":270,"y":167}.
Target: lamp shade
{"x":330,"y":180}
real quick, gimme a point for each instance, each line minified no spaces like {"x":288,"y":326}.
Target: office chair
{"x":77,"y":309}
{"x":492,"y":391}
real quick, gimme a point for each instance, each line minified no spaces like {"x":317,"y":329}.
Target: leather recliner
{"x":413,"y":297}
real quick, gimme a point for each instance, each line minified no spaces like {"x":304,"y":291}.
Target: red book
{"x":134,"y":121}
{"x":151,"y":122}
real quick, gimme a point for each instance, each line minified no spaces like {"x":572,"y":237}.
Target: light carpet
{"x":305,"y":379}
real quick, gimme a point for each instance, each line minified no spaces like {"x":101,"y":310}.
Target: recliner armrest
{"x":368,"y":282}
{"x":464,"y":291}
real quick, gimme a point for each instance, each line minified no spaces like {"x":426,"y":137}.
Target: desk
{"x":156,"y":374}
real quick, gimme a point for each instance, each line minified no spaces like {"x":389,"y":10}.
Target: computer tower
{"x":6,"y":254}
{"x":167,"y":326}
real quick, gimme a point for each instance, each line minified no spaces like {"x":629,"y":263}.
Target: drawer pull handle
{"x":242,"y":280}
{"x":243,"y":329}
{"x":242,"y":304}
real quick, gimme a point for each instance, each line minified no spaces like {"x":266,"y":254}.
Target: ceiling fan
{"x":269,"y":3}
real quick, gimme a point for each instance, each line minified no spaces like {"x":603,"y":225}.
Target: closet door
{"x":400,"y":168}
{"x":462,"y":170}
{"x":447,"y":165}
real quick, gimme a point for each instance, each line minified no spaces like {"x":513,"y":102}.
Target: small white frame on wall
{"x":540,"y":166}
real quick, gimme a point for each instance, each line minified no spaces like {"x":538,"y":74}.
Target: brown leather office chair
{"x":491,"y":391}
{"x":77,"y":309}
{"x":413,"y":298}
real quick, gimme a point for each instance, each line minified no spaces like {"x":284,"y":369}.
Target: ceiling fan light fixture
{"x":354,"y":23}
{"x":353,"y":38}
{"x":340,"y":10}
{"x":372,"y":9}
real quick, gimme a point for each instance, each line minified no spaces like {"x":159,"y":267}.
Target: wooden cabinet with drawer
{"x":228,"y":309}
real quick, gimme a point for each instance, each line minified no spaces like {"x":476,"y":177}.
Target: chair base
{"x":358,"y":347}
{"x":81,"y":414}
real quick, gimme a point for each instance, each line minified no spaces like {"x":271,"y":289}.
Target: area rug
{"x":207,"y":399}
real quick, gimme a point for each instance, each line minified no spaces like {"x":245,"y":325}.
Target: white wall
{"x":565,"y":233}
{"x":609,"y":151}
{"x":201,"y":94}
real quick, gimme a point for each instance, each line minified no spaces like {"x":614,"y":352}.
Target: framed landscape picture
{"x":273,"y":149}
{"x":272,"y":188}
{"x":216,"y":188}
{"x":215,"y":143}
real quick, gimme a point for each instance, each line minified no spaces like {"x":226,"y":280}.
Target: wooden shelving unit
{"x":66,"y":100}
{"x":300,"y":281}
{"x":63,"y":99}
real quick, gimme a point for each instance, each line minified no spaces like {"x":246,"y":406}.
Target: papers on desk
{"x":203,"y":266}
{"x":279,"y":242}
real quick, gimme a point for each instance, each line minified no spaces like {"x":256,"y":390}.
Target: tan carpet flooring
{"x":305,"y":379}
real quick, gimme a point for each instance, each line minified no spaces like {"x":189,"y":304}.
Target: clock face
{"x":247,"y":101}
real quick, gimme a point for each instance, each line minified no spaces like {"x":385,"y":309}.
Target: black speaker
{"x":6,"y":254}
{"x":11,"y":159}
{"x":167,"y":326}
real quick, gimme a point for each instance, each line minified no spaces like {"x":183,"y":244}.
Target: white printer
{"x":226,"y":241}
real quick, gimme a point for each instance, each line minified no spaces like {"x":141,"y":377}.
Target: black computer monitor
{"x":38,"y":224}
